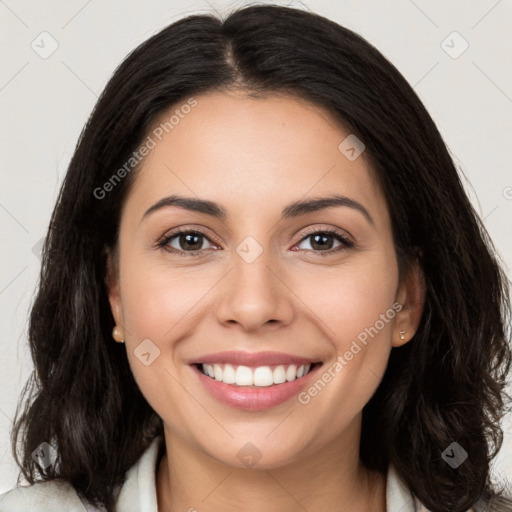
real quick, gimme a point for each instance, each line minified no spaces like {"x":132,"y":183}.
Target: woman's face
{"x":264,"y":278}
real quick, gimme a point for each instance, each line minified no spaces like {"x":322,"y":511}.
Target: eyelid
{"x":331,"y":230}
{"x":187,"y":229}
{"x":346,"y":239}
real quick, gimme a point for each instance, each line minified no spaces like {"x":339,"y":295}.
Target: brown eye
{"x":184,"y":241}
{"x":322,"y":241}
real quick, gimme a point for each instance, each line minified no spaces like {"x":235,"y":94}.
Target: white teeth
{"x":279,"y":374}
{"x":244,"y":376}
{"x":217,"y":372}
{"x":291,"y":373}
{"x":229,"y":374}
{"x":262,"y":376}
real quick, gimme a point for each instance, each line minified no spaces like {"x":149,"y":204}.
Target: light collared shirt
{"x":138,"y":492}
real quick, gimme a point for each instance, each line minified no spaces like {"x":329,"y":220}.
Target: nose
{"x":255,"y":295}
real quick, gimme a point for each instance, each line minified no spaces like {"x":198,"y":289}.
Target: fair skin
{"x":254,"y":157}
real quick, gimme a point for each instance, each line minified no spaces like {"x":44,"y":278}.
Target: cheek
{"x":351,"y":299}
{"x":354,"y":303}
{"x":156,"y":297}
{"x":162,"y":307}
{"x":362,"y":313}
{"x":361,"y":344}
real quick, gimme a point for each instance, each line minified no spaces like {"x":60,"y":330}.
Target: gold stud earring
{"x":117,"y":334}
{"x":402,"y":335}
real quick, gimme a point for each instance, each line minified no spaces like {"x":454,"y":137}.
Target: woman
{"x":310,"y":314}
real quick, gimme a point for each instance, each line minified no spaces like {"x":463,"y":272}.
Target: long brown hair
{"x":446,"y":385}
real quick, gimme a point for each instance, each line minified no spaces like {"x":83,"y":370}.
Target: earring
{"x":117,"y":335}
{"x":402,"y":335}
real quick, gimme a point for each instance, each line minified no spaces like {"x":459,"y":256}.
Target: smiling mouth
{"x":260,"y":376}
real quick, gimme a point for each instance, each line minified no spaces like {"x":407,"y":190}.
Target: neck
{"x":332,"y":478}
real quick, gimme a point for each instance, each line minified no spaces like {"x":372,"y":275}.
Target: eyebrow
{"x":293,"y":210}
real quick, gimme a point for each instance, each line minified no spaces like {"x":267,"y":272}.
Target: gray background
{"x":45,"y":100}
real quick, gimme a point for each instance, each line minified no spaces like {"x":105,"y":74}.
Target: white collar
{"x":138,"y":493}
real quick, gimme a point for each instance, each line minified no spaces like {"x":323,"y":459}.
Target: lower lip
{"x":254,"y":398}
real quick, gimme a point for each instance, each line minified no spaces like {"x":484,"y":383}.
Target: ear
{"x":411,"y":295}
{"x":113,"y":288}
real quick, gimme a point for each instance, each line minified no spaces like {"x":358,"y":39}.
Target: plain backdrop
{"x":56,"y":57}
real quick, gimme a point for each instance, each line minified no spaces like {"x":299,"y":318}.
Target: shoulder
{"x":42,"y":497}
{"x":56,"y":495}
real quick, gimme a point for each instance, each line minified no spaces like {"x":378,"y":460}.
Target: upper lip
{"x":237,"y":357}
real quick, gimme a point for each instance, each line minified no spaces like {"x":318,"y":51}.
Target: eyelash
{"x":347,"y":244}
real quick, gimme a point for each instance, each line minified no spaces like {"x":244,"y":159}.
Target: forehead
{"x":245,"y":153}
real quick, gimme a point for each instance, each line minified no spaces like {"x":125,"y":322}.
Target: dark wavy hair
{"x":447,"y":384}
